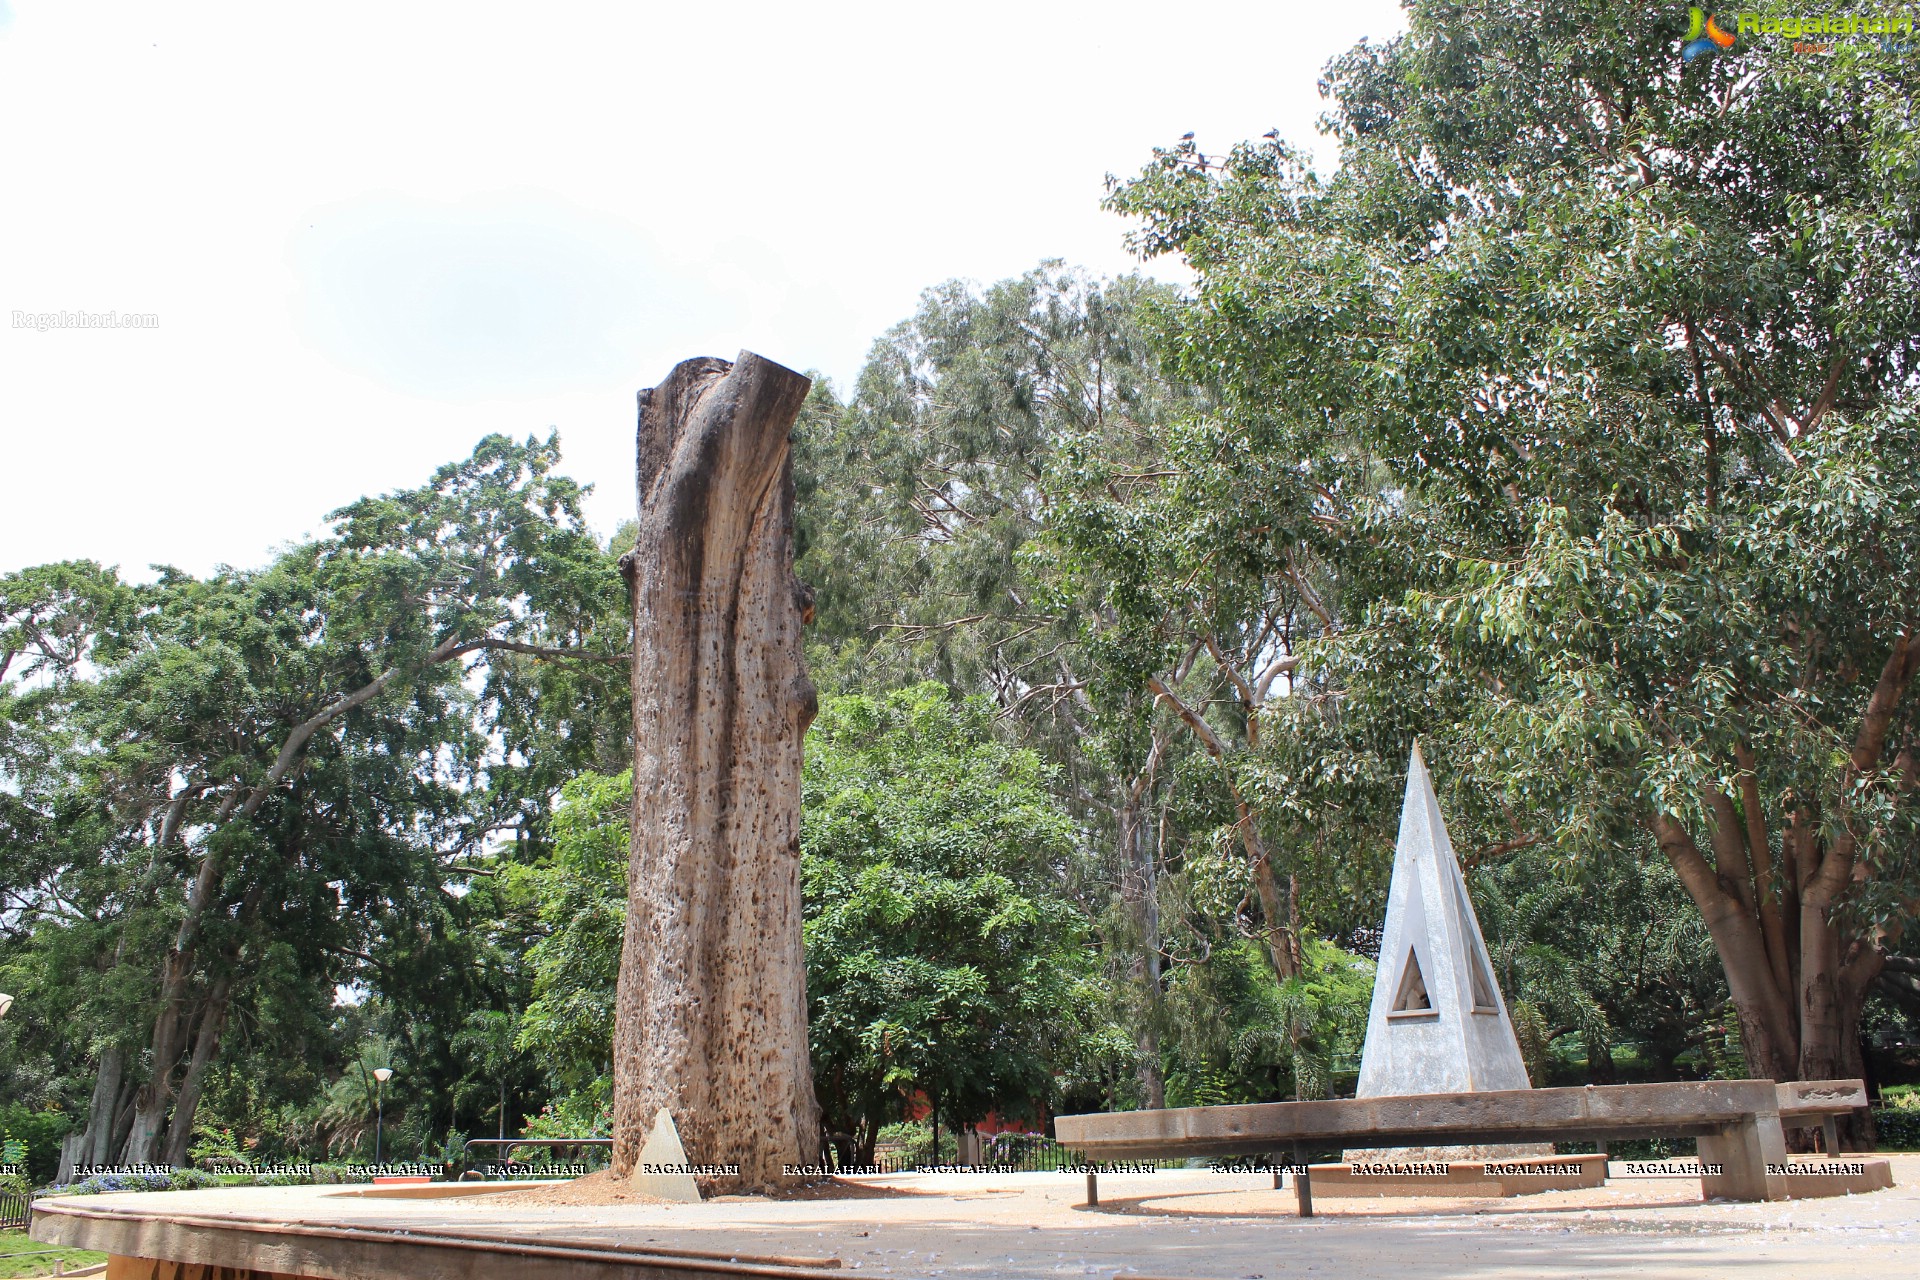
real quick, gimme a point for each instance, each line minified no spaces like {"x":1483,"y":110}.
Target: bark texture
{"x":711,"y":1014}
{"x":1770,"y":876}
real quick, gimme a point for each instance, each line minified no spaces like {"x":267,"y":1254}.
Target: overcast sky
{"x":373,"y":233}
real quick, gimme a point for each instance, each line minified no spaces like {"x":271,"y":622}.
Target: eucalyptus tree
{"x":261,"y":768}
{"x":1200,"y":571}
{"x":1598,"y":368}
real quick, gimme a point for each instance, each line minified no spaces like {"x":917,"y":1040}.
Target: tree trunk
{"x":1138,"y":890}
{"x":94,"y":1144}
{"x":1277,"y":907}
{"x":173,"y":1019}
{"x":1769,"y":1030}
{"x":213,"y":1021}
{"x":710,"y":1019}
{"x":1798,"y":977}
{"x":1280,"y":913}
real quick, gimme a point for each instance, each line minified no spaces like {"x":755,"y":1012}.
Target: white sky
{"x":375,"y":232}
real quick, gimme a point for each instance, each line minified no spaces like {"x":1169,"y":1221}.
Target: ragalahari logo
{"x":1703,"y":36}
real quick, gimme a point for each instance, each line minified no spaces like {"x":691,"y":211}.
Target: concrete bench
{"x":1810,"y":1104}
{"x":1739,"y":1125}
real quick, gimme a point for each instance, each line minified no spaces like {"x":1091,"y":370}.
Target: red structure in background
{"x":918,"y":1109}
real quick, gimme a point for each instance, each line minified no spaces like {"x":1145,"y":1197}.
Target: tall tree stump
{"x":710,"y":1021}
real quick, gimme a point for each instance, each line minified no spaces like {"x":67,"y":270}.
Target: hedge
{"x":1898,"y":1128}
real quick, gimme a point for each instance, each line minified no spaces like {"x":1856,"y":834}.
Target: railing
{"x":503,"y":1162}
{"x":507,"y":1144}
{"x":1014,"y":1152}
{"x":15,"y":1208}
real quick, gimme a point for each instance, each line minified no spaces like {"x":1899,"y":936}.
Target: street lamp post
{"x":381,"y":1075}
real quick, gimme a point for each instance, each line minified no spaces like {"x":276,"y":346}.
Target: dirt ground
{"x":1184,"y":1224}
{"x":602,"y":1188}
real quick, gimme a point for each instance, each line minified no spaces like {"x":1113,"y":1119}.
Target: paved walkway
{"x":1193,"y":1225}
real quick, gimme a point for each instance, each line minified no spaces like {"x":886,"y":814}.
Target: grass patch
{"x":21,"y":1256}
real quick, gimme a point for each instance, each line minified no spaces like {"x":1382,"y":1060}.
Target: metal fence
{"x":1015,"y":1152}
{"x":15,"y":1208}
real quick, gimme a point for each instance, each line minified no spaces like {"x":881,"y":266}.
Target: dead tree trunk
{"x":710,"y":1022}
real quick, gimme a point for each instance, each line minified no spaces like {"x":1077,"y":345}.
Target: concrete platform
{"x":1185,"y":1224}
{"x":1456,"y":1178}
{"x":1809,"y":1177}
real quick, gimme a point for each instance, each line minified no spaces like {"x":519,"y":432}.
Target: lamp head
{"x":383,"y":1074}
{"x":6,"y":1003}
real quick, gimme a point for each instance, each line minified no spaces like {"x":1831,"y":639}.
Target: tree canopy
{"x":1593,"y":371}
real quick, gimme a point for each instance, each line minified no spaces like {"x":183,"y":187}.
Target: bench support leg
{"x":1302,"y":1185}
{"x":1093,"y":1191}
{"x":1830,"y":1131}
{"x":1742,"y":1151}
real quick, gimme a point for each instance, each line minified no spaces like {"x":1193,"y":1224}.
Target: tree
{"x":925,"y":506}
{"x":580,"y":894}
{"x":488,"y":1040}
{"x":1596,"y":367}
{"x":249,"y":774}
{"x":942,"y":958}
{"x":710,"y":1015}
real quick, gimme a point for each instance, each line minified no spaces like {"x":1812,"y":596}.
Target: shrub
{"x":1898,"y":1128}
{"x":40,"y":1132}
{"x":198,"y":1179}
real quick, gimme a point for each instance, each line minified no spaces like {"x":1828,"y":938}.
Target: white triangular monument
{"x":1437,"y":1023}
{"x":662,"y":1169}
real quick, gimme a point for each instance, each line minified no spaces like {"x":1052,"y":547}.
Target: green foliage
{"x":918,"y":500}
{"x":587,"y":1113}
{"x":1243,"y":1035}
{"x":1597,"y":954}
{"x":913,"y":1143}
{"x":1721,"y":1056}
{"x":1582,"y":396}
{"x":941,"y":957}
{"x":241,"y":792}
{"x":212,"y":1143}
{"x":580,"y":896}
{"x":1898,"y":1128}
{"x":32,"y":1138}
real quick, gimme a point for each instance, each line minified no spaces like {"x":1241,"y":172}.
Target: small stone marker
{"x":663,"y":1169}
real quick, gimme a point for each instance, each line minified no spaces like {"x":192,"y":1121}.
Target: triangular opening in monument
{"x":1483,"y":997}
{"x":1484,"y":1000}
{"x":1411,"y":994}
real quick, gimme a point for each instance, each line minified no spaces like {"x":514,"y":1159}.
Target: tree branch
{"x":1895,"y":675}
{"x":1195,"y":721}
{"x":1828,"y":392}
{"x":1314,"y":603}
{"x":1729,"y":849}
{"x":542,"y":651}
